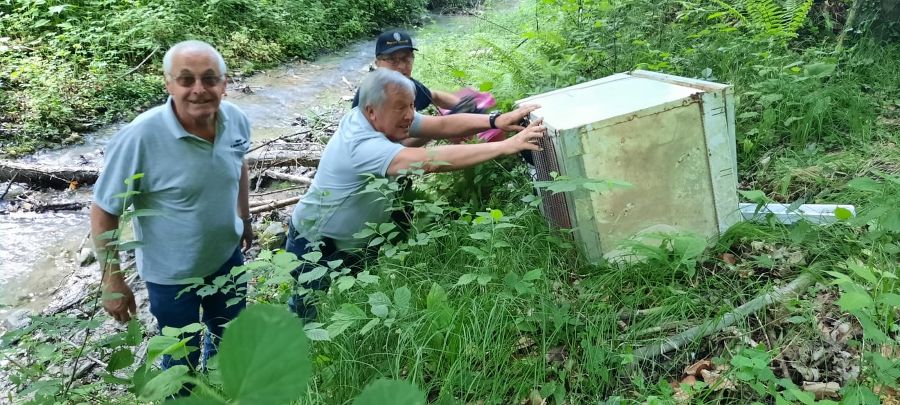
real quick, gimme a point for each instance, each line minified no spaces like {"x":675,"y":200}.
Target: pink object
{"x":482,"y":101}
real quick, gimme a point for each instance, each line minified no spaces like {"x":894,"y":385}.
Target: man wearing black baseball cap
{"x":394,"y":50}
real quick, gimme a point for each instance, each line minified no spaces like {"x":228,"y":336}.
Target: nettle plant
{"x":263,"y":358}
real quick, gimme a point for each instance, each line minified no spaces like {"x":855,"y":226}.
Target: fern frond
{"x":797,"y":14}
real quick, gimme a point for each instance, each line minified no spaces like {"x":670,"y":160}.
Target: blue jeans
{"x":185,"y":310}
{"x":305,"y":307}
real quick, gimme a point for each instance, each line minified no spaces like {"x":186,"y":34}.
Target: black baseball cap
{"x":393,"y":41}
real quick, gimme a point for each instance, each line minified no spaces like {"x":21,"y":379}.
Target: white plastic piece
{"x":814,"y":213}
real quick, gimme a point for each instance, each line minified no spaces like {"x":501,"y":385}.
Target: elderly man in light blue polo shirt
{"x":372,"y":140}
{"x":185,"y":161}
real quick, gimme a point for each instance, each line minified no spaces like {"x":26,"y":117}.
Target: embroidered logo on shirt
{"x":240,"y":144}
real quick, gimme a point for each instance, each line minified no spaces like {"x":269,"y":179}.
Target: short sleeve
{"x":374,"y":154}
{"x":414,"y":127}
{"x":123,"y":162}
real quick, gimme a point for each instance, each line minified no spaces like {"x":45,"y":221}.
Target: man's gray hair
{"x":192,"y":45}
{"x":373,"y":89}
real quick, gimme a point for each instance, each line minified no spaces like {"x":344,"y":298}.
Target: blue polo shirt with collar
{"x":190,"y":183}
{"x":335,"y":205}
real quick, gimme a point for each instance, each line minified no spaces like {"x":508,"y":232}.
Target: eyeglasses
{"x":206,"y":81}
{"x":399,"y":60}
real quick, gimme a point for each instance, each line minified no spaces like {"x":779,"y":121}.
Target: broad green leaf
{"x":890,"y":299}
{"x":865,"y":184}
{"x":755,"y":196}
{"x":343,"y":318}
{"x":384,"y":391}
{"x":367,"y":278}
{"x":465,"y":279}
{"x":120,"y":359}
{"x":480,"y":235}
{"x":380,"y":303}
{"x":264,"y":357}
{"x":858,"y":395}
{"x":315,"y":274}
{"x":165,"y":383}
{"x":344,"y":283}
{"x":862,"y":271}
{"x":474,"y":250}
{"x":369,"y":325}
{"x":842,"y":213}
{"x":134,"y":335}
{"x":402,"y":296}
{"x":195,"y":400}
{"x":284,"y":260}
{"x":365,"y":233}
{"x":376,"y":241}
{"x":313,"y":257}
{"x":386,"y":227}
{"x":871,"y":331}
{"x":176,"y":332}
{"x":854,"y":299}
{"x":160,"y":345}
{"x":317,"y":334}
{"x":820,"y":69}
{"x":483,"y":279}
{"x":532,"y":275}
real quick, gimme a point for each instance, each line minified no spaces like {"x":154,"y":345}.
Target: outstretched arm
{"x":444,"y":99}
{"x":454,"y":157}
{"x":455,"y":125}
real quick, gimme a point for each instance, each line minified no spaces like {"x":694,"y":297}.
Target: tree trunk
{"x":58,"y":177}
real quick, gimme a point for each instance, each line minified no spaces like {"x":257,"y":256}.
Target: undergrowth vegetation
{"x":68,"y":67}
{"x":483,"y":302}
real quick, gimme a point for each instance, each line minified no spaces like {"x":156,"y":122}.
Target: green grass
{"x":803,"y":133}
{"x":502,"y":308}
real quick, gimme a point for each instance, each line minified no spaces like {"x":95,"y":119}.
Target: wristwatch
{"x":492,"y":119}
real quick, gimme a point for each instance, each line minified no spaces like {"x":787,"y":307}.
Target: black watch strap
{"x":492,"y":119}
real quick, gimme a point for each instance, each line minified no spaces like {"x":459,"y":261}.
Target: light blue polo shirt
{"x":192,"y":183}
{"x":333,"y":206}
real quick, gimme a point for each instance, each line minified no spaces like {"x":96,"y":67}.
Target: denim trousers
{"x":185,"y":310}
{"x":305,"y":306}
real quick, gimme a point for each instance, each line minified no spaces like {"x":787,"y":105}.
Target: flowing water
{"x":38,"y":250}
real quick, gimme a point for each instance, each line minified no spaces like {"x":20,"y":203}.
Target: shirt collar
{"x":178,"y":131}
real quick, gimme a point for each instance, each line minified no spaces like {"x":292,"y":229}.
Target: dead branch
{"x":284,"y":158}
{"x":275,"y":205}
{"x":270,"y":141}
{"x":281,"y":190}
{"x":715,"y":325}
{"x":287,"y":177}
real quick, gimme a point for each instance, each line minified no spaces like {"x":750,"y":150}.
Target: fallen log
{"x":58,"y":177}
{"x":68,"y":206}
{"x":274,"y":205}
{"x":287,"y":177}
{"x":715,"y":325}
{"x":284,"y":158}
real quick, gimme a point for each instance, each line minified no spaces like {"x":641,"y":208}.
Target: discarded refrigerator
{"x":671,"y":138}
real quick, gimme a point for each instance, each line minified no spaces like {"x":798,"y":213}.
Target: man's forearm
{"x":452,"y":126}
{"x":444,"y":100}
{"x":447,"y":157}
{"x":105,"y":247}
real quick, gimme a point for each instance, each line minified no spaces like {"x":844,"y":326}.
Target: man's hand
{"x":118,"y":300}
{"x":247,"y":237}
{"x":527,"y":139}
{"x":510,"y":121}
